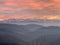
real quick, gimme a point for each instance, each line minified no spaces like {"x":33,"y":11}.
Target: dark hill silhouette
{"x":11,"y":34}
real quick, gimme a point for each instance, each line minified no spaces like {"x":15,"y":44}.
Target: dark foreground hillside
{"x":31,"y":34}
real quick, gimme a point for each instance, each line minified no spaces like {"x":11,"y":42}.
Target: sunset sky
{"x":30,"y":9}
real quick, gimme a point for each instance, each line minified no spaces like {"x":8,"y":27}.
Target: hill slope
{"x":30,"y":34}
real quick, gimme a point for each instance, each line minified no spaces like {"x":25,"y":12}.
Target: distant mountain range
{"x":22,"y":20}
{"x":32,"y":21}
{"x":31,"y":34}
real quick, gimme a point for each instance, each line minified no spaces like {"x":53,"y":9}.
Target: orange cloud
{"x":28,"y":4}
{"x":24,"y":4}
{"x":19,"y":5}
{"x":46,"y":17}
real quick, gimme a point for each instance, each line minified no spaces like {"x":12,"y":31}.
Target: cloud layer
{"x":30,"y":9}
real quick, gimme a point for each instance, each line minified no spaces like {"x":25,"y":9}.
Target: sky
{"x":30,"y":9}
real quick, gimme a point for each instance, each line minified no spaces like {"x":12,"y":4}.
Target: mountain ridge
{"x":23,"y":34}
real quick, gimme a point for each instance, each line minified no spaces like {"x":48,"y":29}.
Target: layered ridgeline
{"x":31,"y":34}
{"x":32,"y":21}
